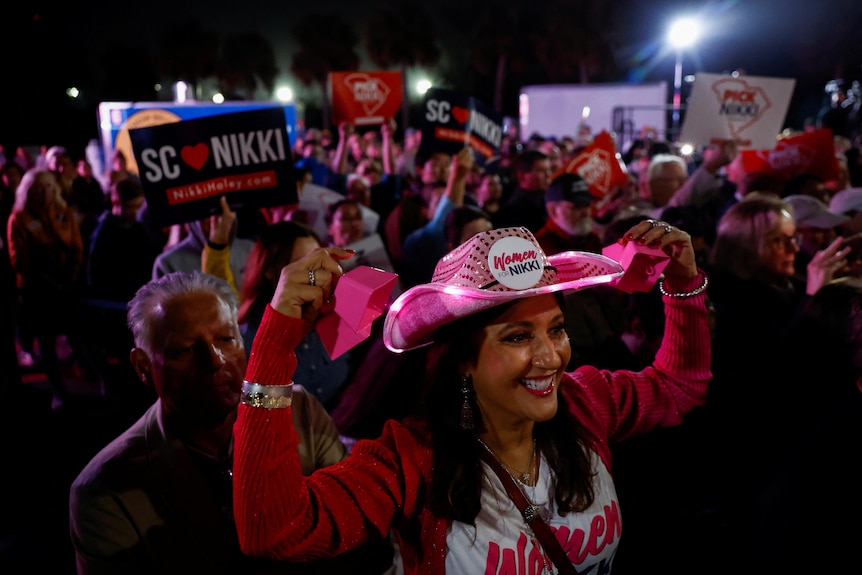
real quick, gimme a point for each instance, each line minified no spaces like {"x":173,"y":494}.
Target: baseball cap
{"x":569,"y":188}
{"x":845,"y":201}
{"x":810,"y":211}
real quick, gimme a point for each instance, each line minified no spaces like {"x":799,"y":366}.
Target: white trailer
{"x":557,"y":110}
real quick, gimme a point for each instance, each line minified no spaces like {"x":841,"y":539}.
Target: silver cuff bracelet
{"x":266,"y":396}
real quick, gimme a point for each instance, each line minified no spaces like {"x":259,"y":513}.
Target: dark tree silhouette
{"x":497,"y":46}
{"x":573,"y":46}
{"x":188,"y":52}
{"x":400,"y":34}
{"x":516,"y":43}
{"x":248,"y":59}
{"x":128,"y":73}
{"x":326,"y":44}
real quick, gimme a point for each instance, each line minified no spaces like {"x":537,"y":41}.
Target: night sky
{"x":810,"y":41}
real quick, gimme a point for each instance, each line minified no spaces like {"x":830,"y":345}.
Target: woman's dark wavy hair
{"x":457,"y":475}
{"x":275,"y":243}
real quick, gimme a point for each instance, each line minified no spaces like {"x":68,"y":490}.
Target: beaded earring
{"x":467,"y":423}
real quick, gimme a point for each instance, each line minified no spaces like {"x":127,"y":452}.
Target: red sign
{"x":365,"y":98}
{"x":807,"y":153}
{"x":599,"y":164}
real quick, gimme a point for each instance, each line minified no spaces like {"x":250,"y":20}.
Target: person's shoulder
{"x":546,"y":229}
{"x":107,"y":220}
{"x":185,"y":248}
{"x":415,"y":238}
{"x":121,"y":459}
{"x":19,"y":217}
{"x":242,"y":246}
{"x":410,"y":438}
{"x":301,"y":399}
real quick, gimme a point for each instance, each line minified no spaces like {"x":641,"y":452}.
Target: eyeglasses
{"x":786,"y":242}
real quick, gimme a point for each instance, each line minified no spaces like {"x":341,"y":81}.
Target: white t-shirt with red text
{"x":503,"y":544}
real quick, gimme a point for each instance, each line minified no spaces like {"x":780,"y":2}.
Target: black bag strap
{"x":531,"y":515}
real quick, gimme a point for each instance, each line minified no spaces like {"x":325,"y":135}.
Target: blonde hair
{"x":30,"y":194}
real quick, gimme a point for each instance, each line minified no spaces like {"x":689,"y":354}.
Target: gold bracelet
{"x":266,"y":396}
{"x":684,"y":294}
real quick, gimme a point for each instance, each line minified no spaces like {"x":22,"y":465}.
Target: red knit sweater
{"x":282,"y":515}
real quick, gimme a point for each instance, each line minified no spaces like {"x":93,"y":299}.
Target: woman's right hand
{"x":675,"y":242}
{"x":221,"y":224}
{"x":305,"y":286}
{"x":825,"y":265}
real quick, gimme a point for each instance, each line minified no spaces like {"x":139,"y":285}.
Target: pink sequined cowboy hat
{"x":489,"y":269}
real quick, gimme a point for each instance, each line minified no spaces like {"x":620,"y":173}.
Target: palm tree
{"x":400,"y":34}
{"x":128,"y":73}
{"x":573,"y":45}
{"x":497,"y":46}
{"x":247,"y":59}
{"x":557,"y":42}
{"x":188,"y":52}
{"x":326,"y":44}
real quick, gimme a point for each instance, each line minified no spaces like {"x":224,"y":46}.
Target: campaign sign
{"x":749,"y":109}
{"x":806,"y":153}
{"x":117,"y":119}
{"x":451,"y":120}
{"x":365,"y":98}
{"x":599,"y":164}
{"x":185,"y":167}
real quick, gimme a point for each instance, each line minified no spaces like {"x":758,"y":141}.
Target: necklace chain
{"x":525,"y":477}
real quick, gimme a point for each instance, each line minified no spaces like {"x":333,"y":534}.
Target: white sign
{"x":749,"y":109}
{"x":315,"y":200}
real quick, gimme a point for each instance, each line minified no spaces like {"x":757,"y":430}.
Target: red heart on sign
{"x":195,"y":156}
{"x":461,"y":114}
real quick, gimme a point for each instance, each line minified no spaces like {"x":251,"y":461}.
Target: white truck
{"x":557,"y":110}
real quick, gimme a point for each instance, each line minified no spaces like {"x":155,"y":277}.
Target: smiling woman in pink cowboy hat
{"x":501,"y":421}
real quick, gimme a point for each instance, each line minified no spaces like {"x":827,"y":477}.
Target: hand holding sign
{"x":360,"y":297}
{"x":222,"y":224}
{"x":720,"y":154}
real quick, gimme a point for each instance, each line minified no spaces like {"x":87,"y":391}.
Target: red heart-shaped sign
{"x":461,"y":114}
{"x":195,"y":156}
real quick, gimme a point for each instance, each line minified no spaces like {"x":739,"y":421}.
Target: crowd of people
{"x":683,"y":412}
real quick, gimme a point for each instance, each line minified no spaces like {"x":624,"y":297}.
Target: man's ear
{"x":141,"y":362}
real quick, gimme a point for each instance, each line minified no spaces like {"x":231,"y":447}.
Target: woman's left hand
{"x":673,"y":241}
